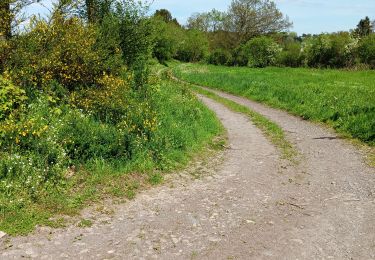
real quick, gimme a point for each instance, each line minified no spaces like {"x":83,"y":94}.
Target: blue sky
{"x":308,"y":16}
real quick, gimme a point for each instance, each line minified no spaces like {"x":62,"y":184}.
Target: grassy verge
{"x":270,"y":129}
{"x":344,"y":100}
{"x":186,"y":128}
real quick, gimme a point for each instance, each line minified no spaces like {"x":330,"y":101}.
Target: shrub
{"x":262,"y":52}
{"x":220,"y":57}
{"x":330,"y":50}
{"x":12,"y":98}
{"x":291,"y":55}
{"x":366,"y":50}
{"x":240,"y":56}
{"x":61,"y":51}
{"x":107,"y":102}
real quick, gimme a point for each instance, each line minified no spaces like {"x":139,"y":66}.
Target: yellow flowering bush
{"x":107,"y":101}
{"x":62,"y":50}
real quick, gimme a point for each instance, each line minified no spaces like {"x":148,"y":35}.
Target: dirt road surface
{"x":248,"y":204}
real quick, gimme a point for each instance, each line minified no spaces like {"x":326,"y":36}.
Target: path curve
{"x":252,"y":206}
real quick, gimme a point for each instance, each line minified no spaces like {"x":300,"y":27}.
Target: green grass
{"x":271,"y":130}
{"x":344,"y":100}
{"x":186,"y":129}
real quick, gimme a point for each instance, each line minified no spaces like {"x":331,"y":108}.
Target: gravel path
{"x":249,"y":204}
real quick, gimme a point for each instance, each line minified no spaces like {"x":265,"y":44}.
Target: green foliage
{"x":220,"y":57}
{"x":166,"y":16}
{"x":108,"y":44}
{"x":364,"y":27}
{"x":167,"y":39}
{"x":12,"y":98}
{"x":366,"y":50}
{"x":136,"y":33}
{"x":330,"y":50}
{"x":62,"y":51}
{"x":262,"y":52}
{"x":342,"y":99}
{"x":193,"y":47}
{"x":291,"y":55}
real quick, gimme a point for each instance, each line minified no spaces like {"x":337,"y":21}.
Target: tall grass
{"x":344,"y":100}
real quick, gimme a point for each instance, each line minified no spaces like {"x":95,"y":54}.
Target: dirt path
{"x":250,"y":206}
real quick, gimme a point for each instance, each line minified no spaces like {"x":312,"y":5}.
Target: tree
{"x":5,"y":20}
{"x":9,"y":9}
{"x":166,"y":16}
{"x":364,"y":27}
{"x":251,"y":18}
{"x":91,"y":7}
{"x":168,"y":36}
{"x":212,"y":21}
{"x":193,"y":46}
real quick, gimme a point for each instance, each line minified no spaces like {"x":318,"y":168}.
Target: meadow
{"x":345,"y":100}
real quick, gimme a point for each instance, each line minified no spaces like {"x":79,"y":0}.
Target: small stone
{"x":248,"y":221}
{"x":3,"y":235}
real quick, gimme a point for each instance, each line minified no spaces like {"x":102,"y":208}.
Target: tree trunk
{"x":91,"y":11}
{"x":5,"y":20}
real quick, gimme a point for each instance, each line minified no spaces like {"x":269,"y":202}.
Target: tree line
{"x":256,"y":33}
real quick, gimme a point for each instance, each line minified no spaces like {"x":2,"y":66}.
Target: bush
{"x":61,"y":51}
{"x":366,"y":50}
{"x":262,"y":52}
{"x":291,"y":55}
{"x":12,"y":98}
{"x":220,"y":57}
{"x":240,"y":56}
{"x":330,"y":50}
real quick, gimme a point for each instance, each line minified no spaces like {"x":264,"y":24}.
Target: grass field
{"x":344,"y":100}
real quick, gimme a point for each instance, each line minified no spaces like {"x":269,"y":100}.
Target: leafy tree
{"x":5,"y":20}
{"x":251,"y":18}
{"x":212,"y":21}
{"x":9,"y":9}
{"x":166,"y":16}
{"x":364,"y":27}
{"x":137,"y":38}
{"x":193,"y":46}
{"x":167,"y":39}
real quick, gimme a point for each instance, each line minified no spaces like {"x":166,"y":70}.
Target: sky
{"x":308,"y":16}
